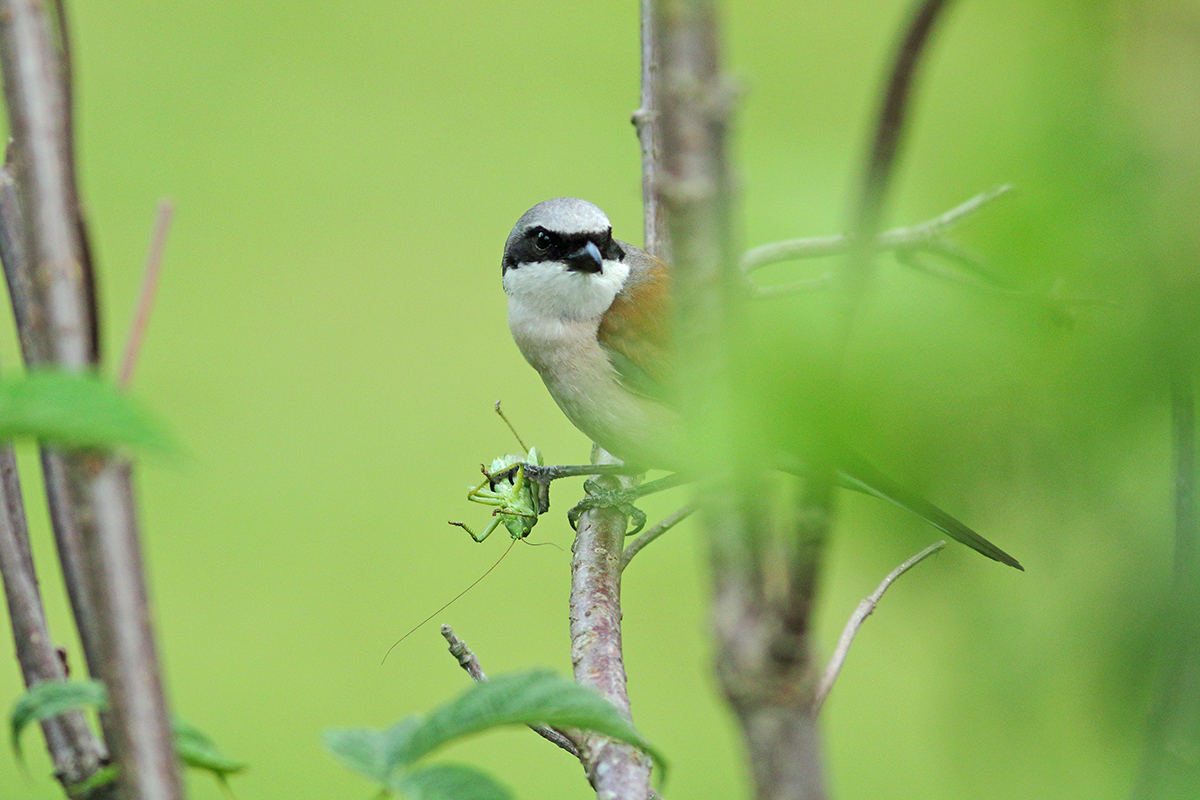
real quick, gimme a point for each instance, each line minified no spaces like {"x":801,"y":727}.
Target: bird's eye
{"x":543,"y":241}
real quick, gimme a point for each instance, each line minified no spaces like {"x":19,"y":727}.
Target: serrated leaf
{"x":76,"y":410}
{"x":368,"y":751}
{"x":195,"y":749}
{"x":449,"y":782}
{"x":50,"y":698}
{"x":520,"y":699}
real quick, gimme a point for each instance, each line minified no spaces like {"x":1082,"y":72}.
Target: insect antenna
{"x":543,"y":544}
{"x":510,"y":427}
{"x":443,"y":608}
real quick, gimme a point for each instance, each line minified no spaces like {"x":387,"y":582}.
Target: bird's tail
{"x":859,"y":474}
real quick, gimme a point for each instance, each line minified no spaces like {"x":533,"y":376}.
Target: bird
{"x":592,"y":315}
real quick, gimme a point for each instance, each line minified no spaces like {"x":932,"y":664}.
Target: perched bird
{"x":592,"y":315}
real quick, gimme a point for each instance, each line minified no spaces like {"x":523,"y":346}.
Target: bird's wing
{"x":636,"y":329}
{"x":859,"y":474}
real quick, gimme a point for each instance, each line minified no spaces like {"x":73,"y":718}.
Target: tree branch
{"x":761,"y":641}
{"x":912,"y":237}
{"x":656,"y":531}
{"x":74,"y":749}
{"x":615,"y":770}
{"x":468,"y":661}
{"x":893,"y":112}
{"x":646,"y":120}
{"x":90,"y":494}
{"x":864,"y":610}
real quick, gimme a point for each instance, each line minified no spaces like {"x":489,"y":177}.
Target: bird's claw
{"x":599,"y":497}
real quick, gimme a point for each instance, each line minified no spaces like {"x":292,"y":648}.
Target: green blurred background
{"x":330,"y":337}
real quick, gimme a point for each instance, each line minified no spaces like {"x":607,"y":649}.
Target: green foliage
{"x":50,"y":698}
{"x":77,"y":410}
{"x":44,"y":700}
{"x":536,"y":696}
{"x":195,"y":749}
{"x":450,"y":782}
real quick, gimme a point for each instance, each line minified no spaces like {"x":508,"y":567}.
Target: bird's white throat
{"x":548,"y":291}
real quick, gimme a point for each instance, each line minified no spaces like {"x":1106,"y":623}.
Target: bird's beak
{"x":586,"y":259}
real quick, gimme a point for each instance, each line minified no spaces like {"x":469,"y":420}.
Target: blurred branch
{"x":1170,"y":768}
{"x":90,"y":495}
{"x":855,"y":276}
{"x":761,"y":642}
{"x":889,"y":126}
{"x":1187,"y":526}
{"x":913,"y":237}
{"x":468,"y":661}
{"x":74,"y":750}
{"x":158,"y":243}
{"x":864,"y":610}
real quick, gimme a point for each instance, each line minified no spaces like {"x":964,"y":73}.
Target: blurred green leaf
{"x":369,"y":752}
{"x":197,"y":750}
{"x":449,"y":782}
{"x":78,"y":410}
{"x":47,"y":699}
{"x":101,"y":777}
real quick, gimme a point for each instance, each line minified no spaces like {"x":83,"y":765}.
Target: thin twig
{"x":864,"y":610}
{"x":654,"y":532}
{"x":908,"y":237}
{"x":154,"y":258}
{"x":468,"y":661}
{"x":796,"y":287}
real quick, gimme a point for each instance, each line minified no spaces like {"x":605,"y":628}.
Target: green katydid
{"x":505,"y":487}
{"x":517,"y":502}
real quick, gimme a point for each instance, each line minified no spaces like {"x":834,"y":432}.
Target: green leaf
{"x":50,"y":698}
{"x":520,"y":699}
{"x":368,"y":751}
{"x":77,"y":410}
{"x":195,"y":749}
{"x":101,"y":777}
{"x":449,"y":782}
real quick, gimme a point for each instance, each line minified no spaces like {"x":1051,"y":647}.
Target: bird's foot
{"x":599,"y":497}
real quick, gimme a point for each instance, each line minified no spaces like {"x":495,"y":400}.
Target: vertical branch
{"x":90,"y":494}
{"x":646,"y":120}
{"x":762,"y":641}
{"x":893,"y":111}
{"x":1169,"y":767}
{"x":1187,"y":526}
{"x":881,"y":159}
{"x":615,"y":770}
{"x":74,"y":749}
